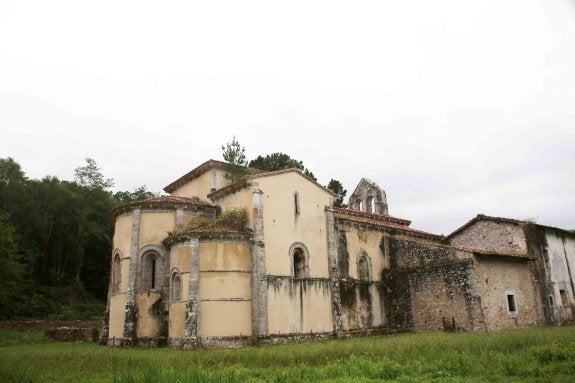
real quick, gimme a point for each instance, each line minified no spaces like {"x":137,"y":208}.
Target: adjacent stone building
{"x":297,"y":268}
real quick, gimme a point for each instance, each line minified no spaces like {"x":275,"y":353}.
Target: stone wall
{"x":72,"y":334}
{"x":502,"y":235}
{"x":431,"y":287}
{"x":499,"y":277}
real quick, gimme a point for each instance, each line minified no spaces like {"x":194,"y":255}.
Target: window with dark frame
{"x":511,"y":306}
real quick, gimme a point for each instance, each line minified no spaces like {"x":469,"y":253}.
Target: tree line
{"x":56,"y":235}
{"x":55,"y":239}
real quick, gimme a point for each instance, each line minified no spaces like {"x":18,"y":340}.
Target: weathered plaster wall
{"x":497,"y":276}
{"x":299,"y":305}
{"x":123,"y":233}
{"x":202,"y":186}
{"x":154,"y":226}
{"x":362,"y":305}
{"x":117,"y":315}
{"x":364,"y":240}
{"x":225,"y":288}
{"x":177,"y":319}
{"x":179,"y":259}
{"x":283,"y":227}
{"x":125,"y":271}
{"x":487,"y":234}
{"x":149,"y":306}
{"x":560,"y":267}
{"x":225,"y":319}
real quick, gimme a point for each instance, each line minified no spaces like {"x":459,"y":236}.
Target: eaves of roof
{"x":388,"y":225}
{"x":194,"y":173}
{"x":246,"y":182}
{"x":162,"y":202}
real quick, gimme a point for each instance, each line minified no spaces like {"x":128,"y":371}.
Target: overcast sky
{"x":454,"y":107}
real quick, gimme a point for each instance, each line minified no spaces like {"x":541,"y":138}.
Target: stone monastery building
{"x":301,"y":269}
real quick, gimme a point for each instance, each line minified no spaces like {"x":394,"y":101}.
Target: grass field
{"x":535,"y":355}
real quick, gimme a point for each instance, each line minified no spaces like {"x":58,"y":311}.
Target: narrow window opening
{"x":371,"y":205}
{"x":116,"y":274}
{"x":298,"y":264}
{"x":153,"y":271}
{"x":296,"y":203}
{"x":176,"y":287}
{"x":551,"y":300}
{"x":511,"y":306}
{"x":360,"y":205}
{"x":563,"y":295}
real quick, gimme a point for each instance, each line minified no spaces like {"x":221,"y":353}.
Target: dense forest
{"x":56,"y":235}
{"x":55,"y":239}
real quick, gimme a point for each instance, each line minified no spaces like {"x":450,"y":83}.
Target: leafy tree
{"x":11,"y":271}
{"x":236,"y":163}
{"x":336,"y":187}
{"x":60,"y":233}
{"x":279,"y":161}
{"x":91,"y":176}
{"x":10,"y":172}
{"x":139,"y":194}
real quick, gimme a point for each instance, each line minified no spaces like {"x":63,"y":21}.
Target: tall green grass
{"x":535,"y":355}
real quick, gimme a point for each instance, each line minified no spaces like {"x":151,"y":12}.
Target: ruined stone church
{"x":301,"y":269}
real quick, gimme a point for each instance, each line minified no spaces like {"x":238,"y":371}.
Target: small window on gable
{"x":176,"y":286}
{"x":511,"y":304}
{"x":564,"y":299}
{"x":116,"y":273}
{"x":296,"y":203}
{"x":360,"y":205}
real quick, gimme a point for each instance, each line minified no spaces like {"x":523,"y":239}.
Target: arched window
{"x":299,"y":260}
{"x":176,"y":286}
{"x":151,"y":271}
{"x":116,"y":273}
{"x":363,"y":267}
{"x":296,"y":203}
{"x":371,"y":205}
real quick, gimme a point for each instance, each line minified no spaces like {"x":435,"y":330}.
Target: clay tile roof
{"x":161,"y":202}
{"x":372,"y":216}
{"x":207,"y":232}
{"x":198,"y":171}
{"x":391,"y":223}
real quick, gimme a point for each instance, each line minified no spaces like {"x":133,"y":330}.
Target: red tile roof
{"x":195,"y":173}
{"x":244,"y":182}
{"x":373,"y":216}
{"x":161,"y":202}
{"x":207,"y":232}
{"x":342,"y":214}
